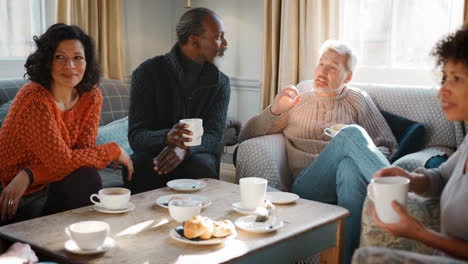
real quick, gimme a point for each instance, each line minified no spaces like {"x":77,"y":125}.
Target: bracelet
{"x":30,"y":175}
{"x":273,"y":113}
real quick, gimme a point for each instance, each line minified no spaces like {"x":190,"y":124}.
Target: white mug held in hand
{"x":112,"y":198}
{"x":88,"y":235}
{"x":333,"y":130}
{"x":195,"y":125}
{"x":252,"y":190}
{"x":382,"y":191}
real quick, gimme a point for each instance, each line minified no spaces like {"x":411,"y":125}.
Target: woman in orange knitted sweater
{"x":48,"y":138}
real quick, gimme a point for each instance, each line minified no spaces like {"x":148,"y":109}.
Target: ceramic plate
{"x":129,"y":208}
{"x":71,"y":246}
{"x":213,"y":241}
{"x":163,"y":201}
{"x":248,"y":223}
{"x":186,"y":185}
{"x":282,"y":197}
{"x":259,"y":211}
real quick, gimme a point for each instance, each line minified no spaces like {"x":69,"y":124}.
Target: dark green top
{"x":168,"y":88}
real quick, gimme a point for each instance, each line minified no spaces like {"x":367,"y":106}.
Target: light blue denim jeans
{"x":340,"y":176}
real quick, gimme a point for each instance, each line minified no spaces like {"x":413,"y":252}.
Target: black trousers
{"x":200,"y":165}
{"x":70,"y":193}
{"x":73,"y":191}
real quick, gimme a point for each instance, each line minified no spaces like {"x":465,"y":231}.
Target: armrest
{"x":418,"y":159}
{"x":264,"y":157}
{"x":424,"y":209}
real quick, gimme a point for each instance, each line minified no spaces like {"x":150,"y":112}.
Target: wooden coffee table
{"x":142,"y":235}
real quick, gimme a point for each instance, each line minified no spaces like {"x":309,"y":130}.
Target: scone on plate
{"x":205,"y":228}
{"x":223,"y":228}
{"x":198,"y":226}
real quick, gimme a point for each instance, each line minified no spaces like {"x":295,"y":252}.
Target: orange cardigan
{"x":51,"y":143}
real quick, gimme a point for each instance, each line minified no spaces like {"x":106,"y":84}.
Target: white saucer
{"x":163,"y":201}
{"x":259,"y":211}
{"x":129,"y":208}
{"x":248,"y":223}
{"x":186,"y":185}
{"x":71,"y":246}
{"x":282,"y":197}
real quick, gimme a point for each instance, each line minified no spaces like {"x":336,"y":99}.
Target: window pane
{"x":397,"y":33}
{"x":20,"y":20}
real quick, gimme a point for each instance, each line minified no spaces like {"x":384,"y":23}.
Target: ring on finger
{"x":10,"y":202}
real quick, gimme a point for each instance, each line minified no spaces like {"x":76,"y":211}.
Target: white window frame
{"x":13,"y":68}
{"x":403,"y":76}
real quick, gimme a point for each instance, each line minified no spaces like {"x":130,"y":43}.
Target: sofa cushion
{"x":4,"y":111}
{"x":423,"y":209}
{"x":9,"y":88}
{"x":115,"y":101}
{"x":115,"y":132}
{"x":409,"y":134}
{"x":420,"y":104}
{"x":436,"y":161}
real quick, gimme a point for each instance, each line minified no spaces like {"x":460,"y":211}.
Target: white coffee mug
{"x":184,"y":209}
{"x":112,"y":198}
{"x":88,"y":235}
{"x":333,"y":130}
{"x":252,"y":190}
{"x":195,"y":125}
{"x":382,"y":191}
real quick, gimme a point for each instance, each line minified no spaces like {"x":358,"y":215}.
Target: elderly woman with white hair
{"x":331,"y":170}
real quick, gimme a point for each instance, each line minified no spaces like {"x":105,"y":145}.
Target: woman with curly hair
{"x":48,"y":139}
{"x":449,"y":181}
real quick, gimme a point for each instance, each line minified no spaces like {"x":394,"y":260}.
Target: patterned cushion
{"x":115,"y":132}
{"x":4,"y":111}
{"x":385,"y":255}
{"x":409,"y":134}
{"x":435,"y":161}
{"x":9,"y":88}
{"x":115,"y":103}
{"x":418,"y":159}
{"x":116,"y":96}
{"x":420,"y":105}
{"x":265,"y":157}
{"x":426,"y":210}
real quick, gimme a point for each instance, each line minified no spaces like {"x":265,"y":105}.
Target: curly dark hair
{"x":39,"y":63}
{"x":453,"y":47}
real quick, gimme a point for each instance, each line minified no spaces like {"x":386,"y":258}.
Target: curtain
{"x":465,"y":14}
{"x":294,"y":31}
{"x":101,"y":19}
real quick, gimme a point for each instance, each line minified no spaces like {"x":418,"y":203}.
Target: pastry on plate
{"x":205,"y":228}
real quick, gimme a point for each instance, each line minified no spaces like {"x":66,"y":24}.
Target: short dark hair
{"x":39,"y":63}
{"x":191,"y":23}
{"x":452,"y":47}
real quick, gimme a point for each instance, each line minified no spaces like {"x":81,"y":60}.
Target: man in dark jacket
{"x":183,"y":83}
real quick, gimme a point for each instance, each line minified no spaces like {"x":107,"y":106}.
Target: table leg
{"x":335,"y":254}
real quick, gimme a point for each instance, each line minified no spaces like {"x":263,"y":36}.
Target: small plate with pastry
{"x":202,"y":230}
{"x":163,"y":201}
{"x":259,"y":223}
{"x":264,"y":209}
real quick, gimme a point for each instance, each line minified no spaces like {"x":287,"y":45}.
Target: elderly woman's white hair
{"x":343,"y":49}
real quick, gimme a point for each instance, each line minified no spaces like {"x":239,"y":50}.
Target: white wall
{"x":149,"y":30}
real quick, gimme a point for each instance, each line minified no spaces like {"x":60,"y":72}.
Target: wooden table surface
{"x":142,"y":235}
